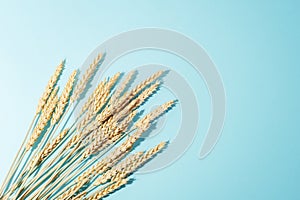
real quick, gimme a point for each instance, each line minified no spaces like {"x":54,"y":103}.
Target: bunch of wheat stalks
{"x":92,"y":157}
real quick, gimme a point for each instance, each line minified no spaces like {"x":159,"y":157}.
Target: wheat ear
{"x":90,"y":100}
{"x":50,"y":86}
{"x":107,"y":190}
{"x":122,"y":87}
{"x":64,"y":99}
{"x":51,"y":146}
{"x":86,"y":78}
{"x":44,"y":119}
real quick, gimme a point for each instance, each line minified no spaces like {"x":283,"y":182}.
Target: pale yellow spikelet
{"x":99,"y":103}
{"x":154,"y":114}
{"x":74,"y":140}
{"x":146,"y":82}
{"x":64,"y":98}
{"x":122,"y":87}
{"x":148,"y":92}
{"x":101,"y":97}
{"x":136,"y":162}
{"x":128,"y":96}
{"x":129,"y":161}
{"x":86,"y":78}
{"x":90,"y":100}
{"x":123,"y":149}
{"x":80,"y":196}
{"x":160,"y":110}
{"x":50,"y":86}
{"x":118,"y":172}
{"x":72,"y":190}
{"x":98,"y":139}
{"x":109,"y":189}
{"x":94,"y":130}
{"x":51,"y":146}
{"x":152,"y":152}
{"x":43,"y":121}
{"x":135,"y":103}
{"x":87,"y":174}
{"x":126,"y":121}
{"x":106,"y":113}
{"x":112,"y":81}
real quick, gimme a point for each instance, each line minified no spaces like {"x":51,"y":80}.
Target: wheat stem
{"x":18,"y":158}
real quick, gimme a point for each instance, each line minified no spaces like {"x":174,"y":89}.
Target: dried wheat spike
{"x":137,"y":162}
{"x":161,"y":110}
{"x":148,"y":92}
{"x":154,"y":114}
{"x":97,"y":140}
{"x":90,"y":100}
{"x":107,"y":190}
{"x":79,"y":196}
{"x":104,"y":115}
{"x":123,"y":149}
{"x":152,"y":152}
{"x":50,"y":86}
{"x":100,"y":98}
{"x":64,"y":99}
{"x":99,"y":101}
{"x":146,"y":82}
{"x":135,"y":103}
{"x":130,"y":160}
{"x":44,"y":119}
{"x":117,"y":171}
{"x":86,"y":78}
{"x":125,"y":169}
{"x":94,"y":129}
{"x":87,"y":174}
{"x":122,"y":87}
{"x":127,"y":97}
{"x":112,"y":81}
{"x":72,"y":190}
{"x":124,"y":124}
{"x":74,"y":140}
{"x":51,"y":146}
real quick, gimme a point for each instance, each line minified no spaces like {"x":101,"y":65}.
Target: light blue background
{"x":254,"y":45}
